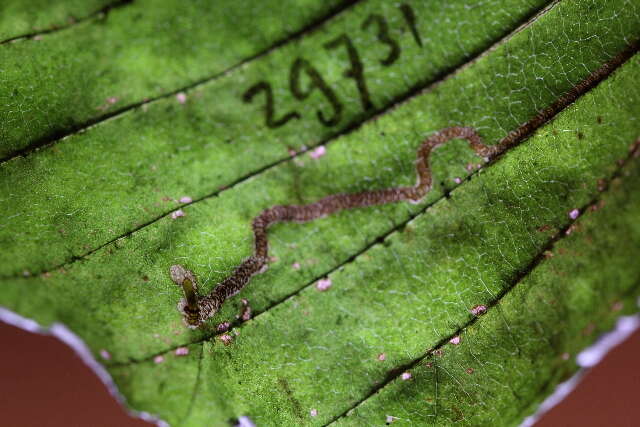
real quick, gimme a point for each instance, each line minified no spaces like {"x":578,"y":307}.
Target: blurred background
{"x":44,"y":383}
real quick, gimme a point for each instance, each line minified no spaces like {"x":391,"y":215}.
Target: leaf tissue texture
{"x":466,"y":308}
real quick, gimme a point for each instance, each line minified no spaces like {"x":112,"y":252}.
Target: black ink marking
{"x":317,"y":82}
{"x":410,"y":17}
{"x":384,"y":37}
{"x":269,"y":107}
{"x":356,"y":71}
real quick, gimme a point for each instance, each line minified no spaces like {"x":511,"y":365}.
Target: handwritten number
{"x":269,"y":107}
{"x":384,"y":37}
{"x":356,"y":71}
{"x":410,"y":17}
{"x":317,"y":82}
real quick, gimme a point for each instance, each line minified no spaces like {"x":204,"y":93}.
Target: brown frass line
{"x":197,"y":310}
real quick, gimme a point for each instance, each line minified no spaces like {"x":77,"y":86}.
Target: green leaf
{"x":89,"y":239}
{"x":137,"y":52}
{"x":25,"y":19}
{"x":174,"y":142}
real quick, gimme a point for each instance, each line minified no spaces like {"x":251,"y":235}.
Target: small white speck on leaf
{"x":182,"y":351}
{"x":318,"y":152}
{"x":296,"y":266}
{"x":181,"y":97}
{"x":177,"y":214}
{"x":455,"y":340}
{"x":575,"y":213}
{"x":479,"y":310}
{"x":314,"y":412}
{"x":391,"y":418}
{"x":245,"y":421}
{"x":185,"y":199}
{"x":112,"y":100}
{"x":405,"y":376}
{"x":158,"y":359}
{"x":245,"y":312}
{"x":457,"y":180}
{"x":323,"y":284}
{"x":105,"y":354}
{"x":382,"y":357}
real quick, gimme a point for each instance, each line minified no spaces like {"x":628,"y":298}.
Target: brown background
{"x":43,"y":383}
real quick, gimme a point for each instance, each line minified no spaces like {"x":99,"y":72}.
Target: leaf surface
{"x":155,"y":155}
{"x":137,"y":52}
{"x":85,"y":215}
{"x":23,"y":19}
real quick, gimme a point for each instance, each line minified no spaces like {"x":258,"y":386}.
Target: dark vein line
{"x":100,"y":14}
{"x":196,"y":386}
{"x":57,"y":135}
{"x":377,"y":241}
{"x":350,"y":128}
{"x":517,"y":279}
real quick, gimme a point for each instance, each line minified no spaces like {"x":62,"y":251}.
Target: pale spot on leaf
{"x":182,"y":351}
{"x":479,"y":310}
{"x":318,"y":152}
{"x":226,"y":339}
{"x":177,"y":214}
{"x":323,"y":284}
